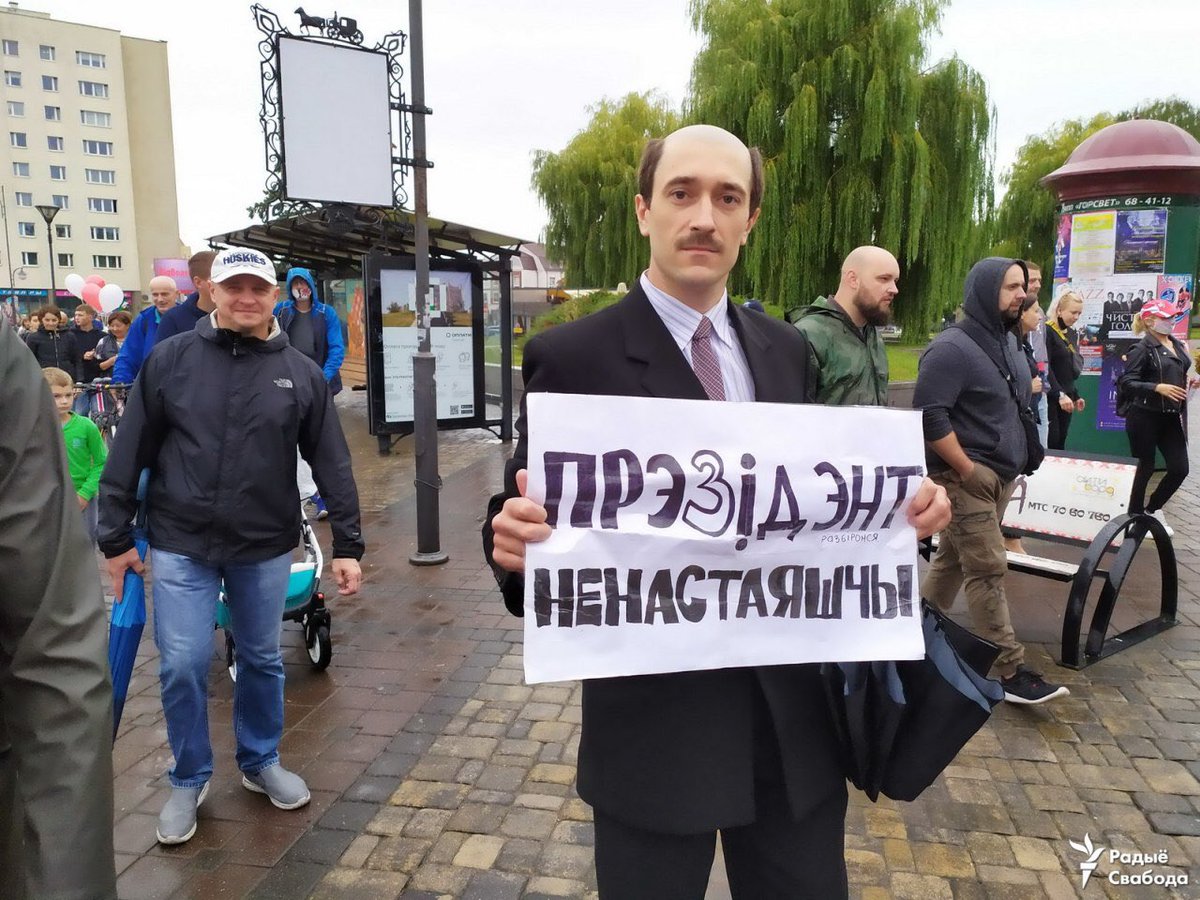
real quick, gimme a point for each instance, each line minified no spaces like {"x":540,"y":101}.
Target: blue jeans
{"x":185,"y":598}
{"x":1042,"y":405}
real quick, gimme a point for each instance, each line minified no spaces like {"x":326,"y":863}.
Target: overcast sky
{"x":507,"y":78}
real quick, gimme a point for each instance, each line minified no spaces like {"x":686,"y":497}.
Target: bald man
{"x":843,"y":330}
{"x":144,"y":331}
{"x":669,"y":760}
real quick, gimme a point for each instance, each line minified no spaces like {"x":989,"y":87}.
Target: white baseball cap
{"x":242,"y":261}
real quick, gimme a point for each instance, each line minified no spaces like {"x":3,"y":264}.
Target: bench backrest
{"x":1071,"y":496}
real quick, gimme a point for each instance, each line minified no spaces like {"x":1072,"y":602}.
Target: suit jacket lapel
{"x":665,"y":370}
{"x":756,"y":345}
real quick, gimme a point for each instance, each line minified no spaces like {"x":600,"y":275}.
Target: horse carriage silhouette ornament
{"x":339,"y":27}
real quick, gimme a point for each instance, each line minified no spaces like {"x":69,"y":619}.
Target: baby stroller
{"x":305,"y":604}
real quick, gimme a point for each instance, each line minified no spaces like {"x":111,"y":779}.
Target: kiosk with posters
{"x":1128,"y":231}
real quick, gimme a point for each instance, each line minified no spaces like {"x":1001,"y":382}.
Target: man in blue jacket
{"x":144,"y":331}
{"x":314,"y":329}
{"x":197,"y":305}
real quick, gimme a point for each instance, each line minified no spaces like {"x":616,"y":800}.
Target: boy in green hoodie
{"x":85,"y":447}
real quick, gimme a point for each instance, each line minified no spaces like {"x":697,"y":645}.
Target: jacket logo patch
{"x":283,"y":382}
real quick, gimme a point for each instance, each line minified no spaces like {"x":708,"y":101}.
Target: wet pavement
{"x":436,"y":772}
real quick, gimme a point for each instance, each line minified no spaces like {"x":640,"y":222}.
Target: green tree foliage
{"x":1024,"y":224}
{"x":863,"y":142}
{"x":588,"y":189}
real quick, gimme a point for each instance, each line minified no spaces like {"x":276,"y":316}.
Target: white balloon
{"x":111,"y":296}
{"x":74,"y":285}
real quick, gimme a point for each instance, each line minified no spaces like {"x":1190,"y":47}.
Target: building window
{"x":62,"y":201}
{"x":50,"y":83}
{"x":29,"y":258}
{"x":23,"y":198}
{"x":21,"y":169}
{"x":105,"y":233}
{"x":16,"y":108}
{"x":101,"y":261}
{"x":53,"y":113}
{"x":12,"y":79}
{"x":58,"y":173}
{"x":93,"y":89}
{"x":91,"y":60}
{"x":25,"y":229}
{"x":98,"y":148}
{"x":100,"y":176}
{"x":66,"y":260}
{"x":46,"y":52}
{"x":102,"y":205}
{"x":11,"y":48}
{"x":18,"y":139}
{"x":55,"y":143}
{"x":92,"y":117}
{"x":62,"y":231}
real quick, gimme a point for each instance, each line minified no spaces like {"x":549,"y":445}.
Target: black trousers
{"x":775,"y":858}
{"x":1060,"y":424}
{"x":1150,"y":431}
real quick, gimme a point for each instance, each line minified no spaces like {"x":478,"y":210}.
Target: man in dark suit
{"x":667,"y":761}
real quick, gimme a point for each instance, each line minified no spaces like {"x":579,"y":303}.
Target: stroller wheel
{"x":230,"y":659}
{"x":320,"y":648}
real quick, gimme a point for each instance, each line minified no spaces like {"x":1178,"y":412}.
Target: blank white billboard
{"x":337,"y":124}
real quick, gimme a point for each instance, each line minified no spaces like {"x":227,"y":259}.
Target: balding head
{"x":870,"y":281}
{"x":699,"y":190}
{"x":163,"y":292}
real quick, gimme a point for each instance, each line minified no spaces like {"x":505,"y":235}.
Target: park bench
{"x":1082,"y":500}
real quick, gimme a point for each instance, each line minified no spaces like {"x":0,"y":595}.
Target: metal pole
{"x":506,"y":351}
{"x":12,"y":279}
{"x":50,"y":239}
{"x":428,"y":482}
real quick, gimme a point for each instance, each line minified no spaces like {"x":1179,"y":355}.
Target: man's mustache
{"x":698,"y":243}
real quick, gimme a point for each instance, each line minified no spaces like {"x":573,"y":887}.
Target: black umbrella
{"x":901,"y":723}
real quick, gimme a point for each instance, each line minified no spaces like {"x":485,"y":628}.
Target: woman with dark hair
{"x":1152,"y":391}
{"x":1029,"y":321}
{"x":1062,"y":348}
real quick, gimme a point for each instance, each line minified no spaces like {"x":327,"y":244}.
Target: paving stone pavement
{"x":436,"y":772}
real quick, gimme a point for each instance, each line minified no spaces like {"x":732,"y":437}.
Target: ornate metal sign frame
{"x":332,"y":30}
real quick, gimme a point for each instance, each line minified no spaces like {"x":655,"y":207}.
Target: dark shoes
{"x":1029,"y":687}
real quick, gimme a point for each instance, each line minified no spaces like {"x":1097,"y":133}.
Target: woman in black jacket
{"x":1062,"y":348}
{"x":1152,"y":391}
{"x":53,"y":345}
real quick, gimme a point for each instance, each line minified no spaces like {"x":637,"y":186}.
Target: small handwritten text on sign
{"x":698,"y":535}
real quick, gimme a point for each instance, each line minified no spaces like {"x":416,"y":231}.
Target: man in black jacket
{"x":668,"y":760}
{"x":217,"y":415}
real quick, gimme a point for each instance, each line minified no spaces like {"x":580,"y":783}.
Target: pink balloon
{"x":96,"y":280}
{"x":91,"y":295}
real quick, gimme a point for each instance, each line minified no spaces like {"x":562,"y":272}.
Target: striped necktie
{"x":705,"y":363}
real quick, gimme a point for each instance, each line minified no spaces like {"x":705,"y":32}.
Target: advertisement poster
{"x":1112,"y":365}
{"x":1141,"y":241}
{"x":1062,"y":248}
{"x":1069,"y":497}
{"x":176,"y":269}
{"x":1093,"y":242}
{"x":1175,"y":289}
{"x":450,"y":305}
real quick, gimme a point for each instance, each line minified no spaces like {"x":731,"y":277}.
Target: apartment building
{"x":86,"y":115}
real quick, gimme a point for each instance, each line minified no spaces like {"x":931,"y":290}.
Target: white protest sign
{"x":700,"y":535}
{"x":1071,"y":497}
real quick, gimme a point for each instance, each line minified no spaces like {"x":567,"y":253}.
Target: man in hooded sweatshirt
{"x":843,"y":330}
{"x":976,"y":448}
{"x":314,"y":329}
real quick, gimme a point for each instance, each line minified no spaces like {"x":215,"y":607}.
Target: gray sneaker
{"x":285,"y":789}
{"x":177,"y":821}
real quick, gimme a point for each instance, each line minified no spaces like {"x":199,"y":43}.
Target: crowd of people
{"x":233,"y":373}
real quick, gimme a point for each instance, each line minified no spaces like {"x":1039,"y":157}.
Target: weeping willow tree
{"x":588,"y":189}
{"x":863,"y":142}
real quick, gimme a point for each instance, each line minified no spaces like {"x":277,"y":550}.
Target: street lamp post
{"x":48,"y":213}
